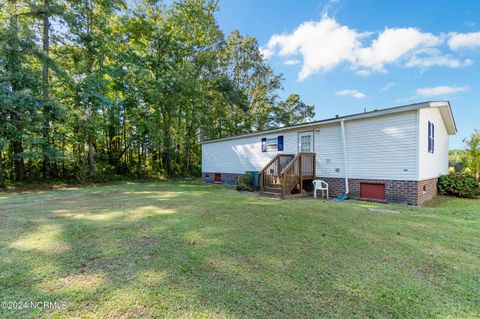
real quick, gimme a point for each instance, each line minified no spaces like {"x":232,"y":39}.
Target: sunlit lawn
{"x":187,"y":250}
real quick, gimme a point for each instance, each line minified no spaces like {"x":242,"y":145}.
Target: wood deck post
{"x":261,"y":181}
{"x":278,"y":165}
{"x":300,"y":171}
{"x":314,"y":166}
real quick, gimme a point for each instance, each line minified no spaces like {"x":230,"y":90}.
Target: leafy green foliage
{"x":457,"y":160}
{"x":132,"y":89}
{"x":473,"y":154}
{"x":293,"y":111}
{"x":459,"y":184}
{"x":245,"y":183}
{"x":468,"y":159}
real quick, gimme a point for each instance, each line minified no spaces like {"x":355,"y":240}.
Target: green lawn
{"x":187,"y":250}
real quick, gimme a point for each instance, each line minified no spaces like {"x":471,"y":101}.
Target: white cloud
{"x":291,"y":62}
{"x":363,"y":73}
{"x":427,"y":92}
{"x":393,"y":44}
{"x":464,"y":40}
{"x":325,"y":44}
{"x":353,"y":93}
{"x":440,"y":90}
{"x":433,"y":57}
{"x":387,"y":86}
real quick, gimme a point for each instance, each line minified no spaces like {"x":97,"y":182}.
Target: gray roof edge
{"x":374,"y":113}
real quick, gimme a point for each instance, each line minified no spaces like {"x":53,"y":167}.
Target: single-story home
{"x":392,"y":155}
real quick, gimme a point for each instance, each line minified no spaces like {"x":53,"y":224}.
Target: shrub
{"x":244,"y":183}
{"x":458,"y":184}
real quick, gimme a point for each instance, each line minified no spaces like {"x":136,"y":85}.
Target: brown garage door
{"x":372,"y":191}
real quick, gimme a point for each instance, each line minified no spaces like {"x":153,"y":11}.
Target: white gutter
{"x":344,"y":142}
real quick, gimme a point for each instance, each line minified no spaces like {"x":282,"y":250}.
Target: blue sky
{"x":347,"y":55}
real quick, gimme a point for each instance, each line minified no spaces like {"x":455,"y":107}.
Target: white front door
{"x":305,"y":142}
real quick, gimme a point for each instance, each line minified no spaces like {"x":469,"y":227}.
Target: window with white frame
{"x":306,"y":143}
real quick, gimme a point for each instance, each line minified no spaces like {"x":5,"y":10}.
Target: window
{"x":272,"y":144}
{"x":431,"y":137}
{"x":306,"y":143}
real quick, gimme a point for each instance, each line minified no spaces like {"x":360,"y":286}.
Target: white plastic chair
{"x":320,"y":185}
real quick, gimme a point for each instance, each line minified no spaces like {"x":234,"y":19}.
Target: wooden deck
{"x":288,"y":175}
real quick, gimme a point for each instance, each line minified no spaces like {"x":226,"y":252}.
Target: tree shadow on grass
{"x":183,"y":250}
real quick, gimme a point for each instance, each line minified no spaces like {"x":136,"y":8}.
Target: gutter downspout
{"x":345,"y":156}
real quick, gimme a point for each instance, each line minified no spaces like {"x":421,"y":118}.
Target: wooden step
{"x":271,"y":194}
{"x":276,"y":186}
{"x":273,"y":189}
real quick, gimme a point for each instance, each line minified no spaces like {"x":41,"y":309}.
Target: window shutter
{"x":429,"y":134}
{"x":264,"y":144}
{"x":433,"y":137}
{"x":280,"y":142}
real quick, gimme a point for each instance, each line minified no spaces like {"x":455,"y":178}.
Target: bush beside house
{"x":458,"y":184}
{"x":245,"y":183}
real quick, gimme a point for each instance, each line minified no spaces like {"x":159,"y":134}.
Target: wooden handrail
{"x":272,"y":161}
{"x":262,"y":173}
{"x":295,"y":158}
{"x":278,"y":156}
{"x":269,"y":163}
{"x":292,"y":175}
{"x":290,"y":180}
{"x":290,"y":164}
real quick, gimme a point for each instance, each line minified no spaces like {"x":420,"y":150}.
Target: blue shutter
{"x":264,"y":144}
{"x":280,"y":142}
{"x":433,"y":137}
{"x":429,"y":134}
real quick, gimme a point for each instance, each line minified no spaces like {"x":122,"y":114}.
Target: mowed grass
{"x":188,"y":250}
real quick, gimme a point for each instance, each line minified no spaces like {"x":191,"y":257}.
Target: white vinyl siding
{"x":383,"y":147}
{"x":434,"y":164}
{"x":243,"y":154}
{"x":328,"y":145}
{"x":386,"y":147}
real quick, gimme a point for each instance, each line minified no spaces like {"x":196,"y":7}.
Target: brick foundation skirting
{"x":227,"y":178}
{"x":396,"y":191}
{"x":427,"y":189}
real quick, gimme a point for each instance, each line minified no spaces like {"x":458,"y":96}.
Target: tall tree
{"x":118,"y":90}
{"x":46,"y":87}
{"x":88,"y":22}
{"x":292,"y":111}
{"x":19,"y":82}
{"x":473,"y":153}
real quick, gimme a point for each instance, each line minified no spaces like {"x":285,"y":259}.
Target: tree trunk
{"x":16,"y":144}
{"x":18,"y":160}
{"x":64,"y":172}
{"x":139,"y":167}
{"x":1,"y":171}
{"x":91,"y":159}
{"x":46,"y":108}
